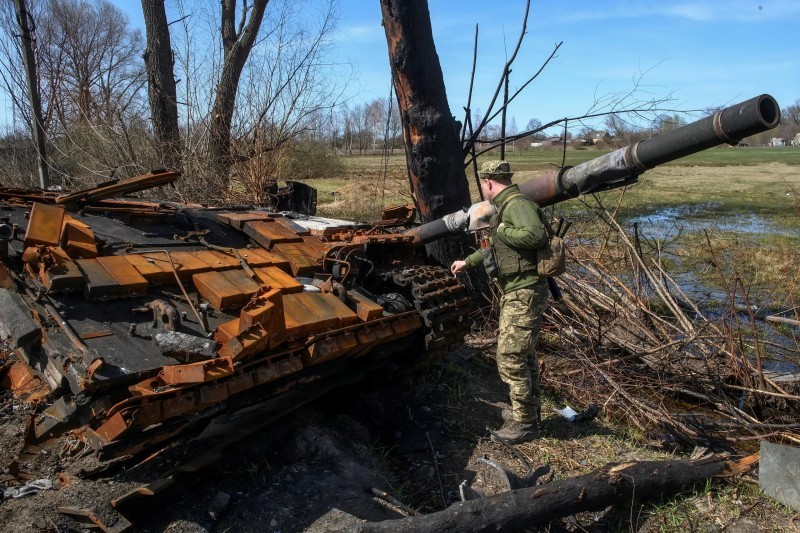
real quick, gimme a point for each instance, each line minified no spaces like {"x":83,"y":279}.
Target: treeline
{"x":234,"y":100}
{"x":238,"y":100}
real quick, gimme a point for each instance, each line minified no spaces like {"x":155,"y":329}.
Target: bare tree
{"x":91,"y":78}
{"x":90,"y":60}
{"x":252,"y":94}
{"x":533,"y":124}
{"x":791,"y":114}
{"x":37,"y":124}
{"x":375,"y":115}
{"x":238,"y":38}
{"x":158,"y":60}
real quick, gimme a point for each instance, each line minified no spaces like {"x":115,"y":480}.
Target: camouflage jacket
{"x":520,"y":229}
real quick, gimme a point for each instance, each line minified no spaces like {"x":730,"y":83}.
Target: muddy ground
{"x":416,"y":437}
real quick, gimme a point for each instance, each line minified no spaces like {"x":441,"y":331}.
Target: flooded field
{"x":685,"y":219}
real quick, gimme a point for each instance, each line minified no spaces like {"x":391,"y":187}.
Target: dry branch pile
{"x":630,"y":339}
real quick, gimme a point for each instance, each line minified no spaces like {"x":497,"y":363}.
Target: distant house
{"x":777,"y":141}
{"x":547,"y":141}
{"x":593,"y":138}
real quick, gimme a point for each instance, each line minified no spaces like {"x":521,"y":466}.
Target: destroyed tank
{"x":147,"y":320}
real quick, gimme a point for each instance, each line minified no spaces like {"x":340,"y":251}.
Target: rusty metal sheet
{"x":242,"y":281}
{"x":309,"y":313}
{"x":113,"y":522}
{"x":255,"y":339}
{"x":399,"y":214}
{"x":181,"y":404}
{"x":77,"y":239}
{"x":265,"y":308}
{"x":258,"y":257}
{"x":240,"y":383}
{"x":154,"y":268}
{"x":406,"y":326}
{"x":218,"y":291}
{"x":64,"y":275}
{"x":330,"y":348}
{"x":44,"y":226}
{"x":333,"y":304}
{"x":199,"y":372}
{"x":366,"y":309}
{"x":98,"y":283}
{"x":371,"y":337}
{"x":226,"y":331}
{"x":238,"y":219}
{"x":300,"y":262}
{"x":23,"y":383}
{"x":267,"y":234}
{"x":119,"y":187}
{"x":131,"y":282}
{"x":277,"y":369}
{"x":150,"y":489}
{"x":220,"y":260}
{"x":293,"y":226}
{"x":314,"y":246}
{"x":187,"y":263}
{"x":112,"y":428}
{"x":96,"y":335}
{"x":278,"y":279}
{"x":6,"y":281}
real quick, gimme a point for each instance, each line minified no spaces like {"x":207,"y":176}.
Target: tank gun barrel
{"x":623,"y":166}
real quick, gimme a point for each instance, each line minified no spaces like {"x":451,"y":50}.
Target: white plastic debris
{"x":28,"y":488}
{"x":568,"y":412}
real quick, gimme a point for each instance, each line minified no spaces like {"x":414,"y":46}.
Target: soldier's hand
{"x":458,"y":266}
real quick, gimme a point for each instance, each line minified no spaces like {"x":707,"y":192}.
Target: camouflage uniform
{"x":516,"y":232}
{"x":520,"y":319}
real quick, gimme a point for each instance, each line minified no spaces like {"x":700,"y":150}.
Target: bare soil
{"x":416,"y":437}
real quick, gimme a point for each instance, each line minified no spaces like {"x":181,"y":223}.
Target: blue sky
{"x":700,"y":53}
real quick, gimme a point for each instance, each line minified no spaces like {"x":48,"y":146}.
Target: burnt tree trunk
{"x":237,"y":44}
{"x":518,"y":509}
{"x":161,"y":83}
{"x":430,"y":132}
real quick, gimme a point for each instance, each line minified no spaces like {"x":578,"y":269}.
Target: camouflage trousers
{"x":520,"y":319}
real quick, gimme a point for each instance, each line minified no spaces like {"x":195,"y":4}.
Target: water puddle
{"x":672,"y":220}
{"x":714,"y":303}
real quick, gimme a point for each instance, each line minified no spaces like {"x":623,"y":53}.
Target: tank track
{"x":443,"y":305}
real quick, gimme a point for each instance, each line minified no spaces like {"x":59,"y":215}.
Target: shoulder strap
{"x":511,"y":199}
{"x":517,"y":196}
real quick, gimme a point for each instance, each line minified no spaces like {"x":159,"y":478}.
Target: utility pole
{"x":33,"y":91}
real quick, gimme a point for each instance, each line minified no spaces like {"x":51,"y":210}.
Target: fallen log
{"x":612,"y":484}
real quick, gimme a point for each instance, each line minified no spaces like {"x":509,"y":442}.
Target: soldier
{"x":516,"y":232}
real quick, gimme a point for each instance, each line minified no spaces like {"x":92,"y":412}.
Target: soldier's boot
{"x":515,"y":432}
{"x":507,"y":414}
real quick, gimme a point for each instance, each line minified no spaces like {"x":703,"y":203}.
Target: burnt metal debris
{"x":147,"y":319}
{"x":144,"y":320}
